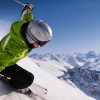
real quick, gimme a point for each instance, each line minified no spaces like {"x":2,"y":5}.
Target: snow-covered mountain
{"x":90,"y":59}
{"x":78,"y":70}
{"x":85,"y":79}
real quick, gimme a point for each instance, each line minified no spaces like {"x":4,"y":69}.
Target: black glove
{"x":28,"y":6}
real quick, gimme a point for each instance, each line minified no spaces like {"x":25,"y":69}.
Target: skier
{"x":24,"y":36}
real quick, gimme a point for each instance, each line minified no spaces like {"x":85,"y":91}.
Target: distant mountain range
{"x":89,"y":60}
{"x":78,"y":69}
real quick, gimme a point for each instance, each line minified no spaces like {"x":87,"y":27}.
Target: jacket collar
{"x":23,"y":31}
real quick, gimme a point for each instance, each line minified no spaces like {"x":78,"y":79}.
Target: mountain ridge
{"x":76,"y":59}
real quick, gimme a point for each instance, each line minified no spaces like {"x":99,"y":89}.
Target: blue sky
{"x":75,"y":23}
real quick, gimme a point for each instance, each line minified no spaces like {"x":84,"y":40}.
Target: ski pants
{"x":20,"y":78}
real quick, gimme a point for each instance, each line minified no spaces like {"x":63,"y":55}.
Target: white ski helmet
{"x":39,"y":31}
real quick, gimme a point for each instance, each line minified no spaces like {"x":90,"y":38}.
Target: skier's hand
{"x":29,"y":6}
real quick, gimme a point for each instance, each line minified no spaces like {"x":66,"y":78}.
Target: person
{"x":24,"y":35}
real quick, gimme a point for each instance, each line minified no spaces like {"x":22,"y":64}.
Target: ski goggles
{"x":41,"y":43}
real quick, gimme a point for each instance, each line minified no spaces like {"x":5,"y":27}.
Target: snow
{"x":57,"y":90}
{"x":53,"y":67}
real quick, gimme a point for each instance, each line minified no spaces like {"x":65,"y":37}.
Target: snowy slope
{"x":84,"y":69}
{"x":57,"y":90}
{"x":53,"y":67}
{"x":51,"y":63}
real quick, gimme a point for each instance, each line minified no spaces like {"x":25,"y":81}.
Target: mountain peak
{"x":91,"y":52}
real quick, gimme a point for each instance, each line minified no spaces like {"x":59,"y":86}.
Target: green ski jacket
{"x":13,"y":47}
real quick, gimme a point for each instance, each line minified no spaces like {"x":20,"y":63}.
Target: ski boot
{"x":25,"y":91}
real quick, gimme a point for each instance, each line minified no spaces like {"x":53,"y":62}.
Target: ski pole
{"x":19,"y":2}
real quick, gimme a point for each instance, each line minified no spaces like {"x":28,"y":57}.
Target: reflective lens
{"x":43,"y":43}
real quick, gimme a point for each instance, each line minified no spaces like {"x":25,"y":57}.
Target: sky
{"x":75,"y":23}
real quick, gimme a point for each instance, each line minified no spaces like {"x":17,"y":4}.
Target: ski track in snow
{"x":57,"y":90}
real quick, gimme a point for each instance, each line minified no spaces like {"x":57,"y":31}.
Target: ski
{"x":38,"y":92}
{"x":32,"y":95}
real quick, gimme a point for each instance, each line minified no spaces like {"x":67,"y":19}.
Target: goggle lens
{"x":42,"y":43}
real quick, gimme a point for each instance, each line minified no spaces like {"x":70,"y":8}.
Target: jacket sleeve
{"x":27,"y":16}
